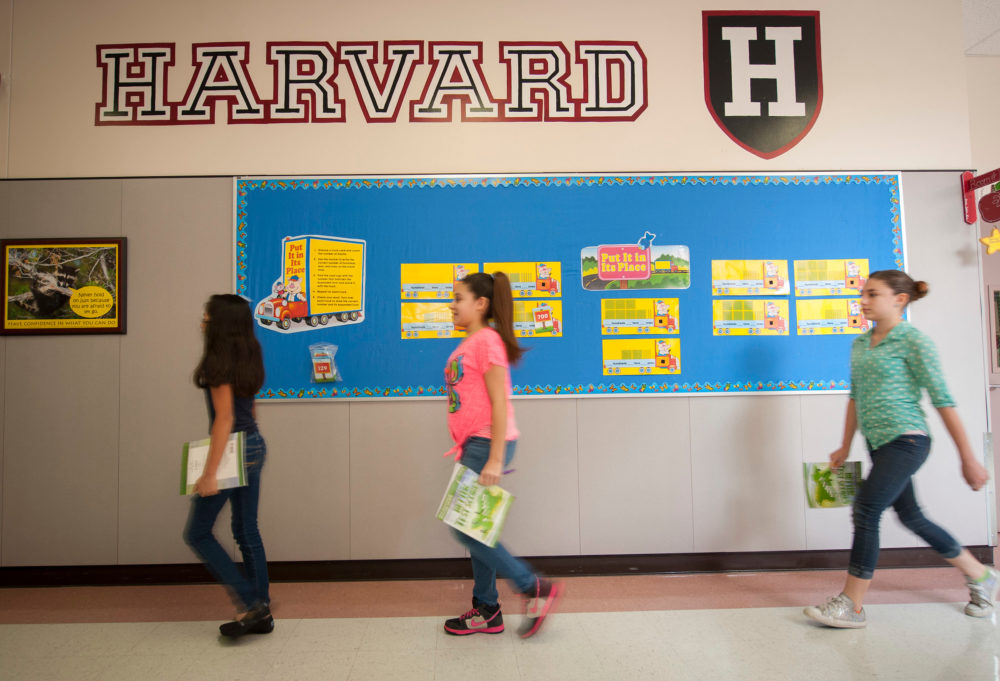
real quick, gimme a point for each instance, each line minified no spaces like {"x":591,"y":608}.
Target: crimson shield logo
{"x":763,"y":80}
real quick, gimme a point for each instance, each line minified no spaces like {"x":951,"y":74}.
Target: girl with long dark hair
{"x":231,"y":371}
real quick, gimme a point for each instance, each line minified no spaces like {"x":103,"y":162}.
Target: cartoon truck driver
{"x":662,"y":318}
{"x":772,"y":278}
{"x":855,"y":318}
{"x":853,"y":278}
{"x":773,"y":318}
{"x":664,"y":359}
{"x":293,"y":289}
{"x":543,"y":277}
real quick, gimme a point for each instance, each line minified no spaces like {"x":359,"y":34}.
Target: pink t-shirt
{"x":469,"y":410}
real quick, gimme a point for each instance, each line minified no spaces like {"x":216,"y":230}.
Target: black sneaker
{"x":482,"y":619}
{"x":257,"y":621}
{"x":539,"y":603}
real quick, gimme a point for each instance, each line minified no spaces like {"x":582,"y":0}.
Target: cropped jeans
{"x":247,"y":587}
{"x":890,"y":483}
{"x":488,"y":562}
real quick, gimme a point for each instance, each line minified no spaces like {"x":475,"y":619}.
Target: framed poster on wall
{"x":623,"y":285}
{"x":993,"y":303}
{"x":64,"y":286}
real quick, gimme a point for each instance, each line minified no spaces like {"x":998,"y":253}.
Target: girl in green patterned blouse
{"x":890,"y":367}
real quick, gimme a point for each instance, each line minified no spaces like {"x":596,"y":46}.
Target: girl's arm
{"x":222,"y":402}
{"x":496,"y":388}
{"x":923,"y":361}
{"x":974,"y":472}
{"x":838,"y":458}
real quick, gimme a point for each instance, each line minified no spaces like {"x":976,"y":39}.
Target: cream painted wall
{"x":983,"y":74}
{"x":888,"y":75}
{"x":6,"y":26}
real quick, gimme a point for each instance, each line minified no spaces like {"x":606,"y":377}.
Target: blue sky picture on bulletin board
{"x":657,"y":284}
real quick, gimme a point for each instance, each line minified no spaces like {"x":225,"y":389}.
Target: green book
{"x":827,"y":488}
{"x":473,"y":509}
{"x":232,"y":467}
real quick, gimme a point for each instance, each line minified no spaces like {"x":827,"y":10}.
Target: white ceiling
{"x":981,"y":19}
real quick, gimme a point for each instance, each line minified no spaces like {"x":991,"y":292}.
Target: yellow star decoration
{"x":992,"y":242}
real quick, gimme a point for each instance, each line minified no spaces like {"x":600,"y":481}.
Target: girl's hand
{"x":838,"y":457}
{"x":975,"y":474}
{"x":491,"y":473}
{"x":206,"y":486}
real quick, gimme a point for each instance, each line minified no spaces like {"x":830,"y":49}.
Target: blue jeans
{"x":486,"y":561}
{"x":890,"y":483}
{"x":249,"y":587}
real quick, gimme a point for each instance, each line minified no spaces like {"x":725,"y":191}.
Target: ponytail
{"x":502,"y":311}
{"x":496,"y":289}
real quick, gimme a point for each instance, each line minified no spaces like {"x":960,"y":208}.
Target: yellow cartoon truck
{"x":321,"y":278}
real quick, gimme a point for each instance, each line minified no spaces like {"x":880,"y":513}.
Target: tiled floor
{"x":740,"y":627}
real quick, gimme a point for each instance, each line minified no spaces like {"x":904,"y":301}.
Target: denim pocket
{"x":256,"y":450}
{"x":913,"y":441}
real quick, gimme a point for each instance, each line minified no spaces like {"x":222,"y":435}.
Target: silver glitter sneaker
{"x":982,"y":595}
{"x":837,"y":612}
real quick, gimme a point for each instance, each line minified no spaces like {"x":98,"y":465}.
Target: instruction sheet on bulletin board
{"x":655,"y":284}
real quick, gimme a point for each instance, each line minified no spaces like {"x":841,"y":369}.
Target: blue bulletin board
{"x":656,"y":284}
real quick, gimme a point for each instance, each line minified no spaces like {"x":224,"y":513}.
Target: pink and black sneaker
{"x":482,"y":619}
{"x":539,"y":604}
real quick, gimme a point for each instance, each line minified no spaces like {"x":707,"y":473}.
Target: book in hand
{"x":826,"y":488}
{"x":472,"y":509}
{"x":232,"y":466}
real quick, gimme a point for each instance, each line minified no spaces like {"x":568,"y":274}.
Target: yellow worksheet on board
{"x":829,"y":316}
{"x":538,"y":318}
{"x":428,"y":320}
{"x":830,"y":277}
{"x":749,"y":277}
{"x":641,"y":356}
{"x":432,"y":281}
{"x":640,"y":316}
{"x":750,"y":317}
{"x":536,"y":279}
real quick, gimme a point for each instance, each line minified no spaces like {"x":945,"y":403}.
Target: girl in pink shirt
{"x":481,"y":421}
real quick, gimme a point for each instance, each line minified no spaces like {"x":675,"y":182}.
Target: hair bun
{"x":920,"y":289}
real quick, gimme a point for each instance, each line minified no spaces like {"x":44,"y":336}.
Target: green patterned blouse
{"x":886,"y":382}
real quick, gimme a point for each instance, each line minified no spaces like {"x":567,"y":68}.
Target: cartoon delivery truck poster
{"x":611,"y":267}
{"x":322,"y":281}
